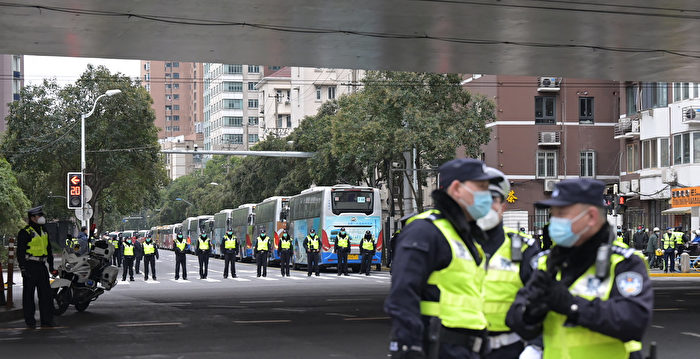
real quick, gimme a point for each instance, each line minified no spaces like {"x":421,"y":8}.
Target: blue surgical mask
{"x":482,"y":203}
{"x":561,"y":233}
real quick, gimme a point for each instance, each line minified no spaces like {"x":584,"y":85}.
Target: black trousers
{"x":137,"y":266}
{"x":669,"y":254}
{"x":180,"y":259}
{"x":115,"y":259}
{"x":230,"y":258}
{"x":342,"y":262}
{"x":312,"y":259}
{"x":37,"y":279}
{"x":285,"y":257}
{"x":120,"y":258}
{"x":149,"y":261}
{"x":261,"y":260}
{"x":366,"y":264}
{"x":203,"y":264}
{"x":128,"y":265}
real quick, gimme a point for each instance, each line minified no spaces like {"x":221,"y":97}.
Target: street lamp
{"x":82,"y":143}
{"x":187,"y":210}
{"x":213,"y":183}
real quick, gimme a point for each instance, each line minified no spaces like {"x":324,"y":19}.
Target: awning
{"x":679,"y":210}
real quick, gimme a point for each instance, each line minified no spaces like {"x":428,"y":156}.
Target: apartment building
{"x":12,"y":72}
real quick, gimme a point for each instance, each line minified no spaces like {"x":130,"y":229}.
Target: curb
{"x":9,"y":315}
{"x":674,"y":274}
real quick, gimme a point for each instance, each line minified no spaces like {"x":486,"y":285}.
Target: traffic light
{"x":75,"y":190}
{"x":620,"y":204}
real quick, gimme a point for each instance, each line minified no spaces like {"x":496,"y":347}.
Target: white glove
{"x":531,"y":352}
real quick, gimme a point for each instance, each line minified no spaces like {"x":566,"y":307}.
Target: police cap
{"x":568,"y":192}
{"x":465,"y":169}
{"x":36,"y":211}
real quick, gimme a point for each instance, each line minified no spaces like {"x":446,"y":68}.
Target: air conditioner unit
{"x":548,"y":84}
{"x":668,"y":175}
{"x":624,"y":187}
{"x":549,"y":184}
{"x":549,"y":138}
{"x":691,"y":114}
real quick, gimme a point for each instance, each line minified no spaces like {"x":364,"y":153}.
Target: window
{"x":289,"y":121}
{"x":177,"y":86}
{"x":664,"y":151}
{"x":176,"y":107}
{"x":176,"y":128}
{"x":681,"y":149}
{"x":654,"y":95}
{"x":274,"y":68}
{"x":232,"y":121}
{"x":251,"y":86}
{"x":168,"y":118}
{"x":649,"y":154}
{"x":147,"y":66}
{"x":233,"y":86}
{"x":176,"y":75}
{"x":587,"y":164}
{"x":282,"y":119}
{"x":282,"y":95}
{"x":632,"y":157}
{"x":541,"y":217}
{"x":168,"y":86}
{"x":168,"y":128}
{"x":544,"y":109}
{"x":318,"y":93}
{"x":253,"y":69}
{"x":253,"y":121}
{"x":676,"y":91}
{"x":253,"y":138}
{"x":148,"y":87}
{"x":233,"y":69}
{"x":176,"y":96}
{"x":697,"y":88}
{"x":233,"y":104}
{"x":232,"y":139}
{"x":631,"y":99}
{"x":176,"y":117}
{"x":168,"y":64}
{"x":686,"y":90}
{"x":696,"y":147}
{"x":168,"y":108}
{"x":331,"y":92}
{"x":585,"y":110}
{"x":252,"y":103}
{"x":176,"y":64}
{"x":546,"y":164}
{"x":147,"y":77}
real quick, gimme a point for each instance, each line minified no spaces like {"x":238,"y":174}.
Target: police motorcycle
{"x":81,"y":279}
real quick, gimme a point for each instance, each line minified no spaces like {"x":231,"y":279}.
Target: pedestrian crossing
{"x":247,"y":276}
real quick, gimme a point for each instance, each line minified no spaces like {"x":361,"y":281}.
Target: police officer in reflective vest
{"x":128,"y":252}
{"x":591,"y":295}
{"x":261,"y":249}
{"x":150,"y":254}
{"x":668,"y":243}
{"x":116,"y":258}
{"x":286,"y":250}
{"x":367,"y":250}
{"x":680,"y":240}
{"x":312,"y":245}
{"x":342,"y":249}
{"x":439,"y":268}
{"x":179,"y":246}
{"x":203,"y":251}
{"x":508,"y":253}
{"x":229,"y":247}
{"x":33,"y":253}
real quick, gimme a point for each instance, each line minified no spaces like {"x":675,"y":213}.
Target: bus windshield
{"x":352,"y":202}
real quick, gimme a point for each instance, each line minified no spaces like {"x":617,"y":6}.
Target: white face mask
{"x":41,"y":220}
{"x":489,"y":221}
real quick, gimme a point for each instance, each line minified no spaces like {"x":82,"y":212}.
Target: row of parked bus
{"x":325,"y":209}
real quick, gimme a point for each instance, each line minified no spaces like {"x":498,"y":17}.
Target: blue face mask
{"x":482,"y":203}
{"x":561,"y":233}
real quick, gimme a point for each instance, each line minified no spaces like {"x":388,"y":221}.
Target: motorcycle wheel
{"x":61,"y":300}
{"x":82,"y":306}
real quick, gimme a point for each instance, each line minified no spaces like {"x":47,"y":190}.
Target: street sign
{"x":88,"y":213}
{"x":75,"y":191}
{"x":87,"y":193}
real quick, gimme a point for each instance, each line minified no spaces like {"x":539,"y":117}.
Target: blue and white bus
{"x":271,"y":215}
{"x":242,"y":221}
{"x":327,"y":209}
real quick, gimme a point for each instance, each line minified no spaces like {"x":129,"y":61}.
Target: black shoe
{"x":176,"y":278}
{"x":154,"y":278}
{"x":258,"y":275}
{"x":318,"y":275}
{"x":264,"y":275}
{"x":225,"y":277}
{"x":234,"y":276}
{"x":31,"y":325}
{"x":50,"y":324}
{"x":346,"y":274}
{"x":145,"y":279}
{"x":308,"y":275}
{"x":338,"y":274}
{"x":184,"y":278}
{"x":131,"y":279}
{"x":367,"y":274}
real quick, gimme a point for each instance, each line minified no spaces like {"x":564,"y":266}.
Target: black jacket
{"x":23,"y":239}
{"x":228,"y":251}
{"x":337,"y":249}
{"x":306,"y":244}
{"x":291,"y":246}
{"x":269,"y":245}
{"x":176,"y":249}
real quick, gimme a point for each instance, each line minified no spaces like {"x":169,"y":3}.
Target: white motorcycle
{"x":83,"y":278}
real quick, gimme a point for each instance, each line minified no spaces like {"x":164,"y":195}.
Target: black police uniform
{"x":285,"y":254}
{"x":149,"y":260}
{"x":138,"y":255}
{"x":203,"y":255}
{"x":128,"y":262}
{"x":367,"y":255}
{"x":180,"y":259}
{"x":34,"y":274}
{"x":229,"y":255}
{"x":342,"y":253}
{"x":422,"y":249}
{"x":313,"y":256}
{"x":261,"y":256}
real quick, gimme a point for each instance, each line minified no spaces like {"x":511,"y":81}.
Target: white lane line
{"x":322,"y":277}
{"x":666,"y":309}
{"x":349,"y":277}
{"x":227,"y":306}
{"x":658,"y":326}
{"x":177,"y":304}
{"x":691,"y":334}
{"x":347,"y":299}
{"x":381,"y":281}
{"x":370,"y":318}
{"x":290,"y":310}
{"x":149,"y":324}
{"x":295,"y":278}
{"x":241,"y":279}
{"x":152,"y":282}
{"x":122,"y":282}
{"x":8,"y":339}
{"x":261,"y":321}
{"x":260,"y":301}
{"x":180,"y":281}
{"x":211,"y":280}
{"x":341,"y":315}
{"x":266,"y":278}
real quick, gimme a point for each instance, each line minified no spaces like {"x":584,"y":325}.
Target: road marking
{"x":260,"y":301}
{"x":691,"y":334}
{"x":124,"y":282}
{"x":227,"y":306}
{"x":323,"y":277}
{"x":295,"y":278}
{"x":666,"y":309}
{"x":371,"y":318}
{"x":211,"y":280}
{"x":381,"y":281}
{"x":152,"y":282}
{"x":658,"y":326}
{"x":266,"y":278}
{"x":290,"y":310}
{"x":349,"y":277}
{"x":180,"y":280}
{"x":8,"y":339}
{"x":341,"y":315}
{"x":347,"y":300}
{"x":261,"y":321}
{"x":241,"y":279}
{"x":148,"y":324}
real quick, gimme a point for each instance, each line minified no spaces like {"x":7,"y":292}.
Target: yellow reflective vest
{"x":312,"y":243}
{"x":230,"y":242}
{"x":262,"y":243}
{"x":367,"y":244}
{"x":180,"y":244}
{"x":37,"y":247}
{"x":343,"y":242}
{"x":128,"y":249}
{"x":285,"y":244}
{"x":669,"y":241}
{"x":149,"y":249}
{"x":203,"y":244}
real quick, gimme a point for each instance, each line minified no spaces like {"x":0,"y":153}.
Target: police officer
{"x":116,"y":258}
{"x":439,"y":269}
{"x":150,"y":254}
{"x":367,"y":250}
{"x":33,"y":252}
{"x":286,"y":250}
{"x":508,"y":254}
{"x":591,"y":294}
{"x":229,"y":247}
{"x":312,"y":245}
{"x":203,"y":251}
{"x":261,"y":249}
{"x":620,"y":237}
{"x":669,"y":246}
{"x":180,"y":259}
{"x":342,"y":249}
{"x":138,"y":251}
{"x":128,"y":262}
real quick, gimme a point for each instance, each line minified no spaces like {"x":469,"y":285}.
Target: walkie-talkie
{"x":602,"y":258}
{"x":516,"y":246}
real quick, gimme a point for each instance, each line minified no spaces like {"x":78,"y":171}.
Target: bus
{"x":190,"y":237}
{"x":327,"y":209}
{"x":165,"y":235}
{"x":128,"y":234}
{"x":222,"y":223}
{"x":242,"y":221}
{"x":271,"y":215}
{"x":208,"y":228}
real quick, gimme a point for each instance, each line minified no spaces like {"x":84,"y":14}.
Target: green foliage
{"x":15,"y":204}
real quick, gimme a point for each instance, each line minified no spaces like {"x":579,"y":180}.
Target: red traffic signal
{"x":75,"y":190}
{"x":621,"y":200}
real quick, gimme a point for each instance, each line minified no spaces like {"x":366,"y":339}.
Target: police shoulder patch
{"x":629,"y":284}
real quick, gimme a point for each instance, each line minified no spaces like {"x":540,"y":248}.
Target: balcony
{"x":627,"y":128}
{"x":549,"y":138}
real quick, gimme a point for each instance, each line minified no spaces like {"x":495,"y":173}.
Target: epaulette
{"x":536,"y":259}
{"x":625,"y":252}
{"x":527,"y":239}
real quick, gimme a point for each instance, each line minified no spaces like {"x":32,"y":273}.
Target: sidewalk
{"x":15,"y":313}
{"x":659,"y":273}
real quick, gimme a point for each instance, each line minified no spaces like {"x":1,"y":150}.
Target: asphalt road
{"x":273,"y":317}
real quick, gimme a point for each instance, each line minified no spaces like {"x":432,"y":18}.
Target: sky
{"x":67,"y":69}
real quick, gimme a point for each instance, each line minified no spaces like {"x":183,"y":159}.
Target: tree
{"x":42,"y":142}
{"x":15,"y":202}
